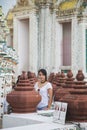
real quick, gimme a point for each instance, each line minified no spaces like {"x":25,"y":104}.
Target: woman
{"x":45,"y":90}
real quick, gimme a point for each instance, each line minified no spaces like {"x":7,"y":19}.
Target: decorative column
{"x":53,"y":40}
{"x":45,"y":34}
{"x":15,"y":39}
{"x":82,"y":44}
{"x":58,"y":46}
{"x":75,"y":45}
{"x":78,"y":45}
{"x":47,"y":44}
{"x":41,"y":36}
{"x":33,"y":42}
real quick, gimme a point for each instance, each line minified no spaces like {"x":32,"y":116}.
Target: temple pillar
{"x":78,"y":45}
{"x":45,"y":31}
{"x":47,"y":44}
{"x":15,"y":41}
{"x":75,"y":44}
{"x":33,"y":43}
{"x":53,"y":40}
{"x":58,"y":46}
{"x":41,"y":36}
{"x":82,"y":54}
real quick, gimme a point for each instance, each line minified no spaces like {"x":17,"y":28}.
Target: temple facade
{"x":50,"y":34}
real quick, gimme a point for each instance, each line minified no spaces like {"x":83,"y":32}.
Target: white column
{"x":15,"y":33}
{"x":78,"y":45}
{"x":75,"y":46}
{"x":82,"y":45}
{"x":41,"y":36}
{"x":47,"y":43}
{"x":33,"y":43}
{"x":45,"y":30}
{"x":58,"y":46}
{"x":15,"y":40}
{"x":52,"y":46}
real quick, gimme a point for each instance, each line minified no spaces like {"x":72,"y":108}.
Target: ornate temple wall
{"x":82,"y":52}
{"x":50,"y":40}
{"x":48,"y":26}
{"x":26,"y":48}
{"x":44,"y":49}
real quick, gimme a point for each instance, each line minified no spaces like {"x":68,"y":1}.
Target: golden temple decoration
{"x":22,"y":5}
{"x":67,"y":5}
{"x":22,"y":2}
{"x":10,"y":16}
{"x":44,"y":1}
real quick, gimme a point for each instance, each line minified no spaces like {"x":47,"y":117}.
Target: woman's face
{"x":41,"y":77}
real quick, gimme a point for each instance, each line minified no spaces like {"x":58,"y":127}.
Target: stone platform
{"x":32,"y":121}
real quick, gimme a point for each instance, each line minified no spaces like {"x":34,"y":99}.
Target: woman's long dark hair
{"x":44,"y":72}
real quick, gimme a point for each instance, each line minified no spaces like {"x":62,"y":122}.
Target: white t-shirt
{"x":44,"y":94}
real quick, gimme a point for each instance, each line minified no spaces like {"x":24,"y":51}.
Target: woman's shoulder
{"x":49,"y":85}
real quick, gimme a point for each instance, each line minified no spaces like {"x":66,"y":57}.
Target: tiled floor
{"x":0,"y":123}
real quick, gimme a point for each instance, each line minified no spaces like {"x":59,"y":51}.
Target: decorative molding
{"x":68,"y":8}
{"x":22,"y":3}
{"x":44,"y":2}
{"x":67,"y":5}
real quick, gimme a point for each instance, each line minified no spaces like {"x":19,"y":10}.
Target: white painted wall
{"x":23,"y":45}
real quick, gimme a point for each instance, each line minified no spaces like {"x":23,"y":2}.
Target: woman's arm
{"x":50,"y":93}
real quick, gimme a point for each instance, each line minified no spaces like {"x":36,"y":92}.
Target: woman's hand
{"x":46,"y":108}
